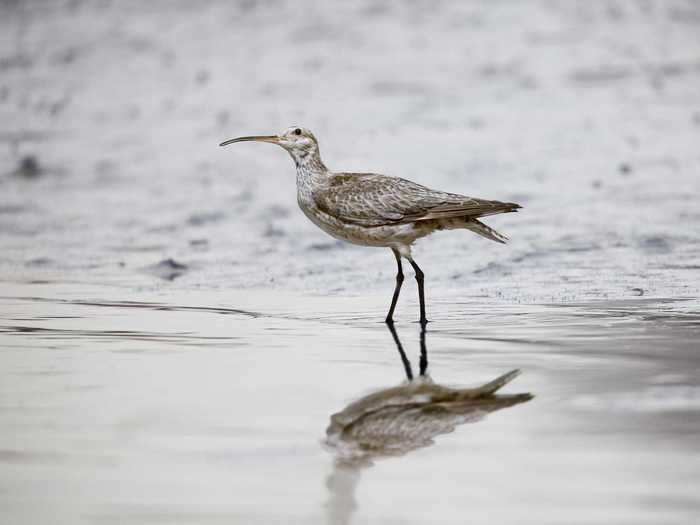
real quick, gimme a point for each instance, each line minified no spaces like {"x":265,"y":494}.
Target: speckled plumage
{"x":371,"y":209}
{"x":378,"y":210}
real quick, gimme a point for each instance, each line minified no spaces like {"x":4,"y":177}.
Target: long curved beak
{"x":274,"y":139}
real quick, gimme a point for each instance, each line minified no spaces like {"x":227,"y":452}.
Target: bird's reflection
{"x":394,"y":421}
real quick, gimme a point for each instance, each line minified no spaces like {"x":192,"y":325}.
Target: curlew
{"x":371,"y":209}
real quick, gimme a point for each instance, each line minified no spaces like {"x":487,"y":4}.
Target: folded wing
{"x":369,"y":199}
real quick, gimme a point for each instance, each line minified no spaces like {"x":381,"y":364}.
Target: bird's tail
{"x":479,"y":227}
{"x":492,"y":386}
{"x":486,"y":396}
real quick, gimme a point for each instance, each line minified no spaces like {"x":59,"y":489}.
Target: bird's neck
{"x":309,"y":161}
{"x":312,"y":175}
{"x":310,"y":169}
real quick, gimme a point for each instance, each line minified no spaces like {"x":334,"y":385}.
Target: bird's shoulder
{"x":368,"y":183}
{"x":373,"y":199}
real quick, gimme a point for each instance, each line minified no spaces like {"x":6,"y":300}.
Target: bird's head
{"x":299,"y":142}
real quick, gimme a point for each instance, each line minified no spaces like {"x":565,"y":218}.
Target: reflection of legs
{"x":342,"y":485}
{"x":423,"y":363}
{"x":404,"y":359}
{"x":421,"y":294}
{"x":397,"y":289}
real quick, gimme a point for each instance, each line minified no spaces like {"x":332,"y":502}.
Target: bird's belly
{"x":390,"y":235}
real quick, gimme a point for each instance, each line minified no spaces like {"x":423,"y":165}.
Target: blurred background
{"x":175,"y":335}
{"x":586,"y":113}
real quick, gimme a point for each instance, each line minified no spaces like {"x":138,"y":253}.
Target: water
{"x":168,"y":408}
{"x":175,"y":336}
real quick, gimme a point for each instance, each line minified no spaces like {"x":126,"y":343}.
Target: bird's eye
{"x":297,"y":131}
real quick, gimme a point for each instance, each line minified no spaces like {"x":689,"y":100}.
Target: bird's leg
{"x":397,"y":289}
{"x":423,"y":363}
{"x":421,"y":293}
{"x":406,"y":363}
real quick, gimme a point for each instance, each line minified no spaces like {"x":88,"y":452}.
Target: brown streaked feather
{"x":370,"y":199}
{"x":482,"y":229}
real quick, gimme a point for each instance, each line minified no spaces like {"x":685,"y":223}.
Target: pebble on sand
{"x":168,"y":269}
{"x":28,"y":168}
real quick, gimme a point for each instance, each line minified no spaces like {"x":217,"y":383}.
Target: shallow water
{"x":170,"y":408}
{"x":175,"y":336}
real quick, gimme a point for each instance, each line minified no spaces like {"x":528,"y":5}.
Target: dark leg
{"x":421,"y":294}
{"x":397,"y":289}
{"x":402,"y":354}
{"x":423,"y":351}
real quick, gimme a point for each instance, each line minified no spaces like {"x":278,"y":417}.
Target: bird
{"x":371,"y":209}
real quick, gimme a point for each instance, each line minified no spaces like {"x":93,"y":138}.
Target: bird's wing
{"x":370,"y":199}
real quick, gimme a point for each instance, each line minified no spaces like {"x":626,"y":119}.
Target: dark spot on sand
{"x":19,"y":61}
{"x":105,"y":168}
{"x":273,"y":231}
{"x":199,"y":244}
{"x":685,"y":14}
{"x":398,"y":88}
{"x":655,"y":244}
{"x":326,"y":246}
{"x":493,"y":267}
{"x":475,"y":123}
{"x":28,"y":168}
{"x":202,"y":77}
{"x":168,"y":269}
{"x":39,"y":261}
{"x":65,"y":57}
{"x":11,"y":209}
{"x":223,"y":118}
{"x":599,"y":76}
{"x":624,"y":168}
{"x":200,"y":219}
{"x":20,"y":457}
{"x":528,"y":82}
{"x":163,"y":228}
{"x":274,"y":212}
{"x":681,"y":266}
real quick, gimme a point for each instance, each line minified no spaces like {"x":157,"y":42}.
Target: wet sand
{"x":175,"y":336}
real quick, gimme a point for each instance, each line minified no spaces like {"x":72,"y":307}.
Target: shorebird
{"x":371,"y":209}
